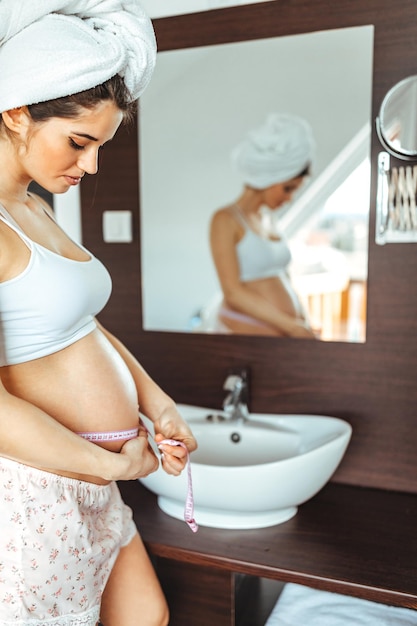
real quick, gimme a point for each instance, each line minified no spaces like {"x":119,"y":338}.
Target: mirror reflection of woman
{"x":251,"y":259}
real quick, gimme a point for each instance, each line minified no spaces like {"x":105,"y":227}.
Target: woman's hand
{"x":138,"y":457}
{"x":170,"y":425}
{"x":301,"y":330}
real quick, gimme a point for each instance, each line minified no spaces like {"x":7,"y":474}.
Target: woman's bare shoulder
{"x":223,"y":216}
{"x":225,"y":227}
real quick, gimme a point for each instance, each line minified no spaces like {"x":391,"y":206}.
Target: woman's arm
{"x":31,"y":436}
{"x":160,"y":408}
{"x":224,"y":236}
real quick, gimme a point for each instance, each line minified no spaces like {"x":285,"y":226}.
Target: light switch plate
{"x":117,"y":226}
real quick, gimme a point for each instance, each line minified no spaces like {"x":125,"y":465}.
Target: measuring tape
{"x":130,"y":434}
{"x":110,"y":435}
{"x":189,"y":501}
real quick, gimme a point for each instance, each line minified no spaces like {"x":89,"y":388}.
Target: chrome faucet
{"x":235,"y":404}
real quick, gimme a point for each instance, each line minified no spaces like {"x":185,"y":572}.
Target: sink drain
{"x":235,"y":437}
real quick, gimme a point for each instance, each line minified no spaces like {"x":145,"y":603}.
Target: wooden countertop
{"x":359,"y":542}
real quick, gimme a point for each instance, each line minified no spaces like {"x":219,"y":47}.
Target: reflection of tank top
{"x":258,"y":256}
{"x":51,"y":304}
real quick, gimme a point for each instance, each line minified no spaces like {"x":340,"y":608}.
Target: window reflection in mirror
{"x":200,"y":103}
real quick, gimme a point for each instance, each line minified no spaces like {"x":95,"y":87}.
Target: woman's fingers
{"x":173,"y":458}
{"x":142,"y":459}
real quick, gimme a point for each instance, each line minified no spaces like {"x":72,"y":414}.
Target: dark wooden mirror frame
{"x":371,"y":385}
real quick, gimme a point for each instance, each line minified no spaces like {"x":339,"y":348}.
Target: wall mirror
{"x":397,"y":120}
{"x":199,"y":104}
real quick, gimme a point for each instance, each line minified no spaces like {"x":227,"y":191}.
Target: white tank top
{"x":51,"y":304}
{"x":258,"y":256}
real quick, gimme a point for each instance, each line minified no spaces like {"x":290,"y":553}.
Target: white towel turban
{"x":55,"y":48}
{"x":276,"y":152}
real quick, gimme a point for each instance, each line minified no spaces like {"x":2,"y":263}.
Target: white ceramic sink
{"x":255,"y":474}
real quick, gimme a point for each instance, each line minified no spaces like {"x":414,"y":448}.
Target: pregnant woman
{"x":70,"y":554}
{"x":251,"y":259}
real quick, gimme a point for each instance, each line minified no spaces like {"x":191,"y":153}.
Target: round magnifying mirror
{"x":397,"y":121}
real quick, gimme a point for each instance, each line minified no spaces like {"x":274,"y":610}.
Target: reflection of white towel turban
{"x":276,"y":152}
{"x":55,"y":48}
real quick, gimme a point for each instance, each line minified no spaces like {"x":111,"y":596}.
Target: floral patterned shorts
{"x":59,"y":539}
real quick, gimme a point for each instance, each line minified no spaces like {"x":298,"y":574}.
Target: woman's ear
{"x":16,"y":120}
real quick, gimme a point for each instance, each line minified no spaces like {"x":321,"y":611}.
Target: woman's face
{"x":277,"y":195}
{"x":60,"y":151}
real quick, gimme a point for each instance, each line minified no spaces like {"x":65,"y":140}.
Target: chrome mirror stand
{"x":396,"y":212}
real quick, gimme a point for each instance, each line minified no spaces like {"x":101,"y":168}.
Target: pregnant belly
{"x":279,"y":291}
{"x":87,"y":387}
